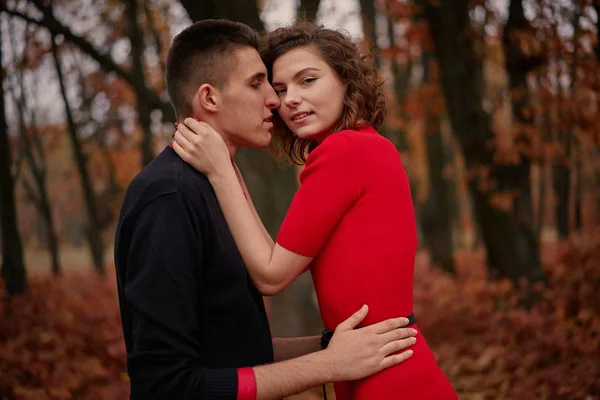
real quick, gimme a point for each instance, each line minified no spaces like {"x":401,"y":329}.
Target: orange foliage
{"x":492,"y":349}
{"x":63,"y":340}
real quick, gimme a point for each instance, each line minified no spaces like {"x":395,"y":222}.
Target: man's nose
{"x":272,"y":101}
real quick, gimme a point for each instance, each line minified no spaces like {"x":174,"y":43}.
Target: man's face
{"x":247,"y":101}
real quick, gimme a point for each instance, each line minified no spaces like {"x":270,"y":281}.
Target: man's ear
{"x":207,"y":98}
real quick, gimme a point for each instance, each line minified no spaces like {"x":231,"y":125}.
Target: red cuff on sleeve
{"x":246,"y":384}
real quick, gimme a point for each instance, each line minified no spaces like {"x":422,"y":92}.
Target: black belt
{"x":327,"y":334}
{"x":411,"y":320}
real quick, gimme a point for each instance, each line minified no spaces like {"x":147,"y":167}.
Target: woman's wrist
{"x":224,"y":173}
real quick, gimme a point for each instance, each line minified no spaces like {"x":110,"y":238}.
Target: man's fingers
{"x":396,"y":359}
{"x":354,"y":319}
{"x":396,"y":334}
{"x":388,"y":325}
{"x":397,"y":345}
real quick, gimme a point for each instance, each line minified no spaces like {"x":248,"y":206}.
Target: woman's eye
{"x":279,"y":92}
{"x":309,"y":80}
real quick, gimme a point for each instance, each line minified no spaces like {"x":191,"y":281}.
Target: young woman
{"x":352,"y":221}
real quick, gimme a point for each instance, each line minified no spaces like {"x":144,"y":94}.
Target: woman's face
{"x":312,"y":96}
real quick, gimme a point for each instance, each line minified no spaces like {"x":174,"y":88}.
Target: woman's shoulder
{"x":369,"y":141}
{"x":336,"y":145}
{"x":364,"y":136}
{"x":352,"y":144}
{"x":350,"y":137}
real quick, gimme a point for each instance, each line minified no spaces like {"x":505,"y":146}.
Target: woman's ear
{"x":207,"y":98}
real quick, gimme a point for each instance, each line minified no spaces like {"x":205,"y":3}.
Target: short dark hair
{"x":203,"y":53}
{"x":364,"y":102}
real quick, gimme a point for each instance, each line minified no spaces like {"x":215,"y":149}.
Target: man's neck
{"x":213,"y":122}
{"x":232,"y":149}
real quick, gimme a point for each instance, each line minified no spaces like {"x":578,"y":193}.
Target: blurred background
{"x":493,"y":106}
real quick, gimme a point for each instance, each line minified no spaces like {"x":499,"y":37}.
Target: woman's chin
{"x":318,"y":135}
{"x":305,"y":133}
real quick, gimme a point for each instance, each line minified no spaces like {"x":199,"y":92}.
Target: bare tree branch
{"x":50,"y":22}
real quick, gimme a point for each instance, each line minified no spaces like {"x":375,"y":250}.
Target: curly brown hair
{"x":364,"y":102}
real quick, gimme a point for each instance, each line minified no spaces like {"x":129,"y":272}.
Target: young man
{"x":195,"y":327}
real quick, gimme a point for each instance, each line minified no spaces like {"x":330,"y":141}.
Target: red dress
{"x":354,"y":214}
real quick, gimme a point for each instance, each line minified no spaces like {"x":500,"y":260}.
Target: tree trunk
{"x":402,"y":75}
{"x":13,"y":265}
{"x":575,"y":162}
{"x":245,"y":11}
{"x":561,"y":179}
{"x":562,"y":169}
{"x":93,"y":229}
{"x":512,"y":247}
{"x":155,"y":34}
{"x":576,"y":193}
{"x":35,"y":156}
{"x":144,"y":107}
{"x":307,"y":10}
{"x":368,"y":15}
{"x":518,"y":66}
{"x":42,"y":203}
{"x":436,"y":213}
{"x":51,"y":237}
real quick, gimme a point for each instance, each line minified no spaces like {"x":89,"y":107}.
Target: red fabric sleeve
{"x":246,"y":384}
{"x":329,"y":185}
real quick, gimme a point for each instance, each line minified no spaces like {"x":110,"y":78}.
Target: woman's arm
{"x":271,"y":267}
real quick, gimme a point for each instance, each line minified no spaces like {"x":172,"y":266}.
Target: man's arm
{"x":352,"y":354}
{"x":287,"y":348}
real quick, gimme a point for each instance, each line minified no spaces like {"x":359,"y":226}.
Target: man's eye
{"x":256,"y":85}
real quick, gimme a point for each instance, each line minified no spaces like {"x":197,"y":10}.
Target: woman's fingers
{"x":188,"y":134}
{"x":180,"y":150}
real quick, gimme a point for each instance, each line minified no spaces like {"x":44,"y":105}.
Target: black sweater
{"x":190,"y":313}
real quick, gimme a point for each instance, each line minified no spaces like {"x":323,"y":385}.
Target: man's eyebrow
{"x":297,"y":74}
{"x":257,"y":75}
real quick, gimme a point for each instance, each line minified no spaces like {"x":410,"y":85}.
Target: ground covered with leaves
{"x":63,"y":340}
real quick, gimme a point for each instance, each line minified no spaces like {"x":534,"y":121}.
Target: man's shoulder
{"x":161,"y":176}
{"x":167,"y":174}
